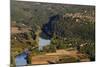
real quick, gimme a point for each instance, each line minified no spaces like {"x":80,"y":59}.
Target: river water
{"x":21,"y":59}
{"x":43,"y":42}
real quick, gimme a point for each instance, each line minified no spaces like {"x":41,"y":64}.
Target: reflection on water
{"x":43,"y":42}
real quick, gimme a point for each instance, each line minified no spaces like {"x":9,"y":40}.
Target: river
{"x":21,"y":59}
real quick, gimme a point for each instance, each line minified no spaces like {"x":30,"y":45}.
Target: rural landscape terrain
{"x":51,"y":33}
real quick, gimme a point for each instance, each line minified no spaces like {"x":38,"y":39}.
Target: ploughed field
{"x":56,"y":57}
